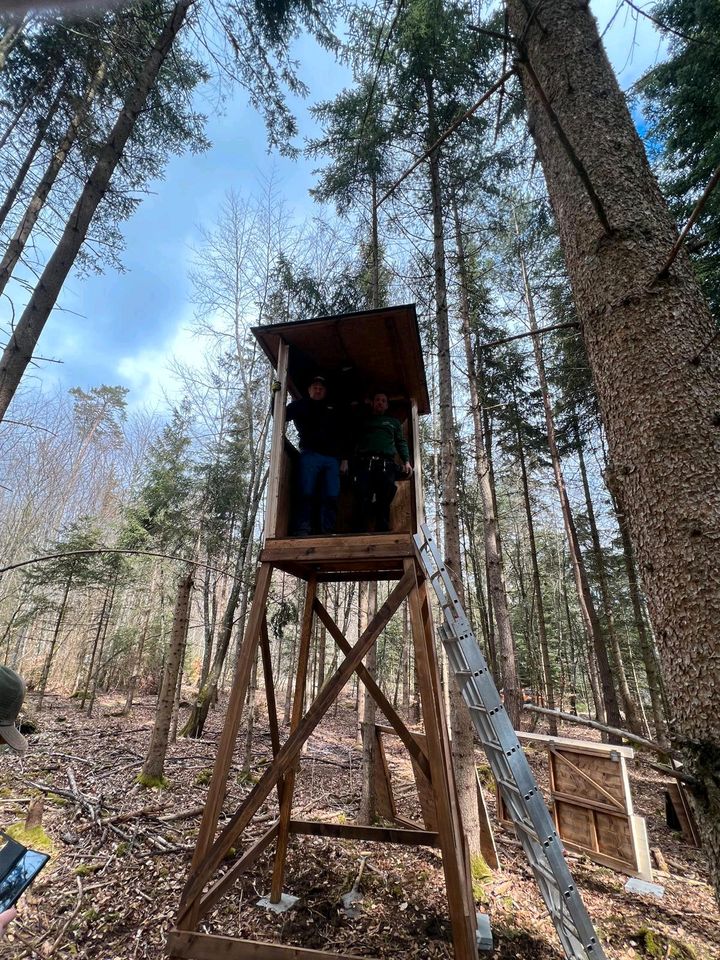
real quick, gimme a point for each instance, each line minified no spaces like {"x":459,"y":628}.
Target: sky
{"x":126,"y":328}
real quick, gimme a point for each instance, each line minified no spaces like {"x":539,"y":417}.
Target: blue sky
{"x":124,"y":328}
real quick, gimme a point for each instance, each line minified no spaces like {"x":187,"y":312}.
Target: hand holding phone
{"x":6,"y":918}
{"x":18,"y":868}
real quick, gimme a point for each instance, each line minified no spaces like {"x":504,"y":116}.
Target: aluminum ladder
{"x":521,"y":795}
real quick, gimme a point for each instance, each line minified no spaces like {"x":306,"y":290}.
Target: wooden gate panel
{"x":592,"y":804}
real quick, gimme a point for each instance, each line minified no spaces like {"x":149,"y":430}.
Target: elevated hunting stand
{"x":358,"y":353}
{"x":363,"y":352}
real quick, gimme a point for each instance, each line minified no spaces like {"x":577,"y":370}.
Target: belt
{"x":383,"y":457}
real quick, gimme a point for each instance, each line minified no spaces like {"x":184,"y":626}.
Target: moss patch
{"x":480,"y":873}
{"x":152,"y":783}
{"x":660,"y":947}
{"x":35,"y":837}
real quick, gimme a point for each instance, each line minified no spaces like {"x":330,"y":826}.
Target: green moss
{"x":86,"y":869}
{"x":480,"y":873}
{"x":35,"y":837}
{"x":152,"y":783}
{"x":122,"y":849}
{"x":91,"y":915}
{"x":203,"y":778}
{"x":57,"y":801}
{"x":484,"y":775}
{"x":660,"y":947}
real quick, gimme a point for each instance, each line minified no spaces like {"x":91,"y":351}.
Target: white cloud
{"x":149,"y":372}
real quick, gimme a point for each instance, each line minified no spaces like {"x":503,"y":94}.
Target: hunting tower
{"x":357,"y":353}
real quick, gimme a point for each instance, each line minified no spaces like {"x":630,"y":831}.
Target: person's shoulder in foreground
{"x":12,"y":694}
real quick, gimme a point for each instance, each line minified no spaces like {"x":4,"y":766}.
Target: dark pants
{"x":318,"y":476}
{"x":374,"y":488}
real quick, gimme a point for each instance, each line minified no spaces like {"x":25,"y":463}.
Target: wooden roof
{"x":356,"y":352}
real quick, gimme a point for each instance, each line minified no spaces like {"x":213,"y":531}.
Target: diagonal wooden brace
{"x":292,"y":746}
{"x":413,"y":747}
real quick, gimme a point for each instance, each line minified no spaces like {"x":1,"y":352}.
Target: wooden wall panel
{"x":592,"y":805}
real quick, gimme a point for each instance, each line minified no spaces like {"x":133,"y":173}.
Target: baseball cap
{"x":319,"y":378}
{"x":12,"y":694}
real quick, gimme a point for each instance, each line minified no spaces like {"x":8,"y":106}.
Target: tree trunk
{"x":57,"y":161}
{"x":24,"y":337}
{"x":587,"y":606}
{"x":496,"y":575}
{"x":53,"y":644}
{"x":19,"y":180}
{"x":178,"y":690}
{"x":463,"y":747}
{"x":647,"y":644}
{"x":655,"y":358}
{"x":101,"y":647}
{"x":632,"y":717}
{"x":537,"y":585}
{"x":208,"y":691}
{"x":137,"y":663}
{"x":250,"y":702}
{"x":13,"y":28}
{"x":93,"y":654}
{"x":153,"y":768}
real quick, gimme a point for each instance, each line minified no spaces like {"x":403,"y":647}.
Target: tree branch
{"x":569,"y":149}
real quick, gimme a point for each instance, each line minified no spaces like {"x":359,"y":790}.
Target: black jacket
{"x":320,"y":427}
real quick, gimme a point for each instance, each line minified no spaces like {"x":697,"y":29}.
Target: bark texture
{"x":655,"y":363}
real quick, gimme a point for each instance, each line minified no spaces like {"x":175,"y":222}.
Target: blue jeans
{"x":318,"y":475}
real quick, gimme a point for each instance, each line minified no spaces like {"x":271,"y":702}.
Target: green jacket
{"x":381,"y":435}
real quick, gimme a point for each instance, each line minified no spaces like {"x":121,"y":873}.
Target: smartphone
{"x":23,"y":866}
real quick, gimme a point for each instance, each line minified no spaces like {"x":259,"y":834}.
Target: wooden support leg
{"x":290,"y":749}
{"x":269,"y":688}
{"x":452,"y":841}
{"x":297,"y":712}
{"x":223,"y":760}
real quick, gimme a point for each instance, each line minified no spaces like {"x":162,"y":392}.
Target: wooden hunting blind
{"x":357,"y":354}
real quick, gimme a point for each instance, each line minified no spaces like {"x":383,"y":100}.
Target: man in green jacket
{"x":379,"y":440}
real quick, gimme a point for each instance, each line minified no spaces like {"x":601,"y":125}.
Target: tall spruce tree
{"x":655,"y":359}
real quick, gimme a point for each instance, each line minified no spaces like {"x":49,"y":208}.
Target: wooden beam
{"x":297,"y":711}
{"x":277,"y":445}
{"x":226,"y":746}
{"x":269,"y":687}
{"x":207,"y":946}
{"x":593,"y":747}
{"x":293,"y":745}
{"x":378,"y":696}
{"x":456,"y":867}
{"x":419,"y":505}
{"x":251,"y":855}
{"x":370,"y":546}
{"x":357,"y":831}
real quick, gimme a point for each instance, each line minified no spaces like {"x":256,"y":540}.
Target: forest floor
{"x":120,"y":855}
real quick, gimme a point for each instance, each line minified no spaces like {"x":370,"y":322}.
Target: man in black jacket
{"x":322,"y":457}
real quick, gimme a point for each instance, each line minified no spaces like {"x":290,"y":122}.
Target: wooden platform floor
{"x":377,"y":556}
